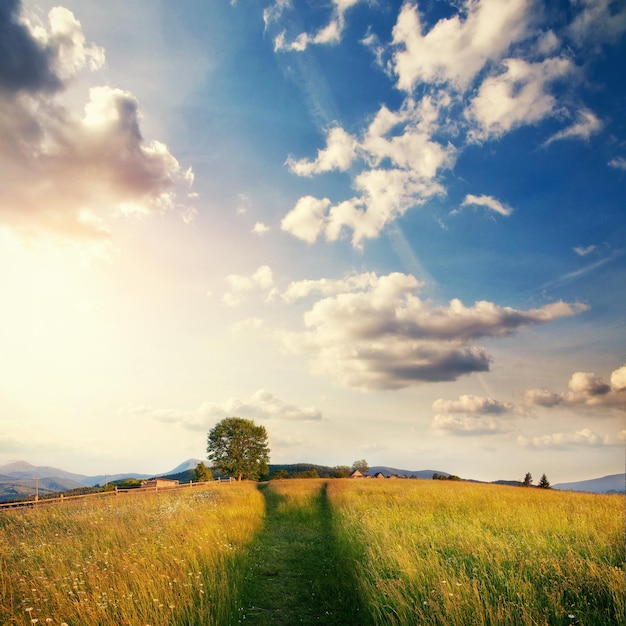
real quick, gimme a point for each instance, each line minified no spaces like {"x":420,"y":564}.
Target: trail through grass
{"x":295,"y":576}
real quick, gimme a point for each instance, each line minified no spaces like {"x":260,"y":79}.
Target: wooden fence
{"x":60,"y":499}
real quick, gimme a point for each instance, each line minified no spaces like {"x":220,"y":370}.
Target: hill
{"x":612,"y":483}
{"x":392,"y":471}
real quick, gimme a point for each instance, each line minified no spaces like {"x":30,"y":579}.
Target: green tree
{"x":280,"y":474}
{"x":361,"y":465}
{"x":544,"y":483}
{"x":528,"y":480}
{"x":202,"y":473}
{"x":238,"y":447}
{"x":341,"y":471}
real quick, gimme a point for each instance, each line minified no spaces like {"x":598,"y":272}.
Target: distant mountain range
{"x":607,"y":484}
{"x":17,"y":479}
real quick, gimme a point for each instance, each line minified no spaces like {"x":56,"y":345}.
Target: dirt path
{"x":294,"y":572}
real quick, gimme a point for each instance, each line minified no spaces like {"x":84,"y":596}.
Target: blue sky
{"x":385,"y":230}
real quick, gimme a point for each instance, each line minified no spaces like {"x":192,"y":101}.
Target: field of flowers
{"x":154,"y":558}
{"x":432,"y":552}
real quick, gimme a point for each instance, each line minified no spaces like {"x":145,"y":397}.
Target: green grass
{"x":349,"y":552}
{"x":294,"y":572}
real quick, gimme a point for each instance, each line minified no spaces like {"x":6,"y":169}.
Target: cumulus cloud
{"x":472,"y":415}
{"x":262,"y":405}
{"x":378,"y":334}
{"x":456,"y":49}
{"x":60,"y":170}
{"x":240,"y":286}
{"x":338,"y":155}
{"x":475,"y":76}
{"x":328,"y":35}
{"x":400,"y":165}
{"x":489,"y":203}
{"x":472,"y":404}
{"x":562,"y":441}
{"x":469,"y":425}
{"x":260,"y":228}
{"x":517,"y":96}
{"x":585,"y":390}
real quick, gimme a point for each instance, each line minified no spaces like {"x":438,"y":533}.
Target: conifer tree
{"x":544,"y":483}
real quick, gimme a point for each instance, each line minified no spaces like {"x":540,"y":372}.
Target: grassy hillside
{"x":351,"y":552}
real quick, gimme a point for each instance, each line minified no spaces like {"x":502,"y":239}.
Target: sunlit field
{"x":425,"y":552}
{"x":153,"y":558}
{"x":346,"y":552}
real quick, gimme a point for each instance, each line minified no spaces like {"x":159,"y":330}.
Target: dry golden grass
{"x":150,"y":558}
{"x":404,"y":552}
{"x":429,"y":552}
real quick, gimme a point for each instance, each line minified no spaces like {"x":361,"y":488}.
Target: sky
{"x":391,"y":231}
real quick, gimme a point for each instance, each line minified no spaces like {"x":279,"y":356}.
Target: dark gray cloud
{"x":375,"y":333}
{"x":25,"y":64}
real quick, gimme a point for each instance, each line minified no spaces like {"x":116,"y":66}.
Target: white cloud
{"x":379,"y":335}
{"x":515,"y":97}
{"x":456,"y":49}
{"x":402,"y":163}
{"x":260,"y":228}
{"x":327,"y":286}
{"x":327,"y":35}
{"x":488,"y":202}
{"x":469,"y":425}
{"x":261,"y":280}
{"x":585,"y":390}
{"x":306,"y":220}
{"x":559,"y":441}
{"x":588,"y":124}
{"x":262,"y":405}
{"x":338,"y":155}
{"x":472,"y":404}
{"x":618,"y":163}
{"x":584,"y":250}
{"x":598,"y":21}
{"x":66,"y":171}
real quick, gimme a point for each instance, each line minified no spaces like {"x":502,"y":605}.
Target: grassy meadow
{"x":342,"y":551}
{"x":432,"y":552}
{"x":152,"y":558}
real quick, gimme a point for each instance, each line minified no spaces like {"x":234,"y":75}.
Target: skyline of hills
{"x":16,"y":478}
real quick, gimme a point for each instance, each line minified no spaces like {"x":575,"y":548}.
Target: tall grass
{"x":153,"y":558}
{"x":458,"y":553}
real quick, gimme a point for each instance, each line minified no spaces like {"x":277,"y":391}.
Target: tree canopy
{"x":202,"y":473}
{"x":361,"y":465}
{"x":238,"y":447}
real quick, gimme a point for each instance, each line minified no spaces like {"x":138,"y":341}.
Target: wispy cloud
{"x":488,"y":202}
{"x":584,"y":438}
{"x":584,"y":250}
{"x":327,"y":35}
{"x":262,"y":405}
{"x":583,"y":271}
